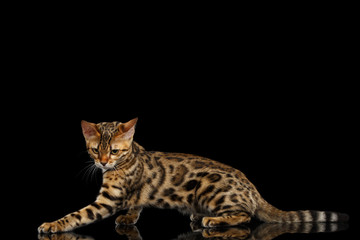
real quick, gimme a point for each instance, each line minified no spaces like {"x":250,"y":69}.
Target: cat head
{"x":108,"y":143}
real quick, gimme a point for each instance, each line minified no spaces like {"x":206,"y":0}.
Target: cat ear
{"x":127,"y":130}
{"x":89,"y":129}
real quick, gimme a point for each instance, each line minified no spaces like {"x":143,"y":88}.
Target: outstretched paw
{"x":51,"y":227}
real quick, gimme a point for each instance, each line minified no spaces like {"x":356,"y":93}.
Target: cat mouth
{"x":104,"y":167}
{"x":108,"y":165}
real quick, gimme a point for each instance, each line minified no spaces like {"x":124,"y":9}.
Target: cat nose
{"x":103,"y":160}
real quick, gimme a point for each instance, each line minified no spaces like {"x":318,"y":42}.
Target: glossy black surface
{"x":257,"y":232}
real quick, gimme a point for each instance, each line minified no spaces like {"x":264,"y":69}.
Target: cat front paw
{"x":51,"y":227}
{"x":126,"y":219}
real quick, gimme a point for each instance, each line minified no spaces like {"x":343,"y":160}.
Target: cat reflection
{"x":265,"y":231}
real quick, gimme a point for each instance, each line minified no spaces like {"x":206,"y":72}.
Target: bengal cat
{"x":213,"y":193}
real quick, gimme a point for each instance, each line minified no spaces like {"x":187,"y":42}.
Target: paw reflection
{"x":238,"y":232}
{"x":63,"y":236}
{"x":226,"y":233}
{"x":130,"y":231}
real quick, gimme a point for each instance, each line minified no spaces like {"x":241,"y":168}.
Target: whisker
{"x":83,"y":169}
{"x":89,"y":172}
{"x":94,"y":173}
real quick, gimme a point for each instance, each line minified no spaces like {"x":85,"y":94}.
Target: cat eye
{"x":95,"y":150}
{"x":114,"y":151}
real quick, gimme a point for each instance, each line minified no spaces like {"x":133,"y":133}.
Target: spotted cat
{"x":213,"y":193}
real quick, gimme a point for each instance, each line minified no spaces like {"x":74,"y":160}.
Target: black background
{"x":272,"y":96}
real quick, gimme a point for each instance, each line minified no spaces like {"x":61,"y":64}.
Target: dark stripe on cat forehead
{"x":107,"y":131}
{"x":111,"y":127}
{"x":105,"y":141}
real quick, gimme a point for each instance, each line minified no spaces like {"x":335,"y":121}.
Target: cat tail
{"x":270,"y":214}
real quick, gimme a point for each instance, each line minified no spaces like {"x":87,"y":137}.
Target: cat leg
{"x":131,"y":217}
{"x":228,"y":220}
{"x":91,"y":213}
{"x":104,"y":206}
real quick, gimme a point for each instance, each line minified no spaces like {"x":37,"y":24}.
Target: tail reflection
{"x":268,"y":231}
{"x":265,"y":231}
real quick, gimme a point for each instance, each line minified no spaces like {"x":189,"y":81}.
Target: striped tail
{"x":268,"y":213}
